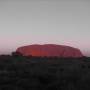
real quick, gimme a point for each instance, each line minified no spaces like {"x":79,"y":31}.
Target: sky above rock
{"x":26,"y":22}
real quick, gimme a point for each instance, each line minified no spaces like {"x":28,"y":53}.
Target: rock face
{"x":49,"y":50}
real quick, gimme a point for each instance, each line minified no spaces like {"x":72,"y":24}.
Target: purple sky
{"x":24,"y":22}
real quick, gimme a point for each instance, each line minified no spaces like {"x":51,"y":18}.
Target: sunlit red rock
{"x":49,"y":50}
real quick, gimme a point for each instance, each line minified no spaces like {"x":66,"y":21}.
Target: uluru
{"x":49,"y":50}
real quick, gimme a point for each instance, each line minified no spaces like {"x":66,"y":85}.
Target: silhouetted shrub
{"x":16,"y":54}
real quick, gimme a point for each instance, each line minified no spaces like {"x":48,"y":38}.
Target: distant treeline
{"x":18,"y":72}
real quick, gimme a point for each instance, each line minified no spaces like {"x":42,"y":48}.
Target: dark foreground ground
{"x":35,"y":73}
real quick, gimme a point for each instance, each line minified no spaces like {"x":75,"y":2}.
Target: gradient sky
{"x":24,"y":22}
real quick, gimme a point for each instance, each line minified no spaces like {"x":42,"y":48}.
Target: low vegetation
{"x":18,"y":72}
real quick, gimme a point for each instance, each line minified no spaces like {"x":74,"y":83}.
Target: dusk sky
{"x":26,"y":22}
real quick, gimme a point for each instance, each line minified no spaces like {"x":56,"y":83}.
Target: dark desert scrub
{"x":18,"y":72}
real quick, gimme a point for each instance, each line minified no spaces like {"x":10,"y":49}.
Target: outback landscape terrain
{"x":44,"y":45}
{"x":20,"y":72}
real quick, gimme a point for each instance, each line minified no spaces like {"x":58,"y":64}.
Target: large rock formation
{"x":49,"y":50}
